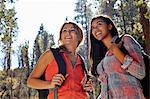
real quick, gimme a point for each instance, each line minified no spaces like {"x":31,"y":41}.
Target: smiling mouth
{"x":98,"y":33}
{"x":68,"y":38}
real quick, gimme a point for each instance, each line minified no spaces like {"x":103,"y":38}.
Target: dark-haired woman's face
{"x":69,"y":35}
{"x":100,"y":29}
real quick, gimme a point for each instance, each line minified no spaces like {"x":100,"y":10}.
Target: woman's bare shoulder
{"x":46,"y":57}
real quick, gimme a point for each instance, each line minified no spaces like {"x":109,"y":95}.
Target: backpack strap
{"x":145,"y":80}
{"x":84,"y":67}
{"x":86,"y":74}
{"x":61,"y":66}
{"x":43,"y":93}
{"x":60,"y":61}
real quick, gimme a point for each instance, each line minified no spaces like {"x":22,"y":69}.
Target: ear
{"x":109,"y":26}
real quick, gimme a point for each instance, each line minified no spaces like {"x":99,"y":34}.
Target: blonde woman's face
{"x":69,"y":35}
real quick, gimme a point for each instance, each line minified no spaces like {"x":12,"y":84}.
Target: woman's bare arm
{"x":33,"y":80}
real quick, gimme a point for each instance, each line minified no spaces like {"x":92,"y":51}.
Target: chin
{"x":68,"y":43}
{"x":99,"y":39}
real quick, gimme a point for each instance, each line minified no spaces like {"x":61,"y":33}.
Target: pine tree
{"x":8,"y":31}
{"x":83,"y":16}
{"x":42,"y":42}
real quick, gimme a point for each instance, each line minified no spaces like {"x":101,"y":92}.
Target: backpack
{"x":43,"y":93}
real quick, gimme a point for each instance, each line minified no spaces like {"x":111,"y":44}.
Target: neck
{"x":71,"y":50}
{"x":72,"y":55}
{"x":107,"y":41}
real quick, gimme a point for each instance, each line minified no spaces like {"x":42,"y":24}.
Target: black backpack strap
{"x":43,"y":93}
{"x":60,"y":61}
{"x":145,"y":80}
{"x":61,"y":66}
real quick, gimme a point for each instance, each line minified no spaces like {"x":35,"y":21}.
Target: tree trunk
{"x":146,"y":27}
{"x":123,"y":17}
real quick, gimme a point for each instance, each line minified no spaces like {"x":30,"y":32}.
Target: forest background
{"x":130,"y":16}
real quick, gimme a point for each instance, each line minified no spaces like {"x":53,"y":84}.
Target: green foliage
{"x":14,"y":86}
{"x":137,"y":28}
{"x":139,"y":2}
{"x":2,"y":75}
{"x":144,"y":3}
{"x":7,"y":84}
{"x":147,"y":14}
{"x":23,"y":57}
{"x":8,"y":20}
{"x":8,"y":30}
{"x":137,"y":33}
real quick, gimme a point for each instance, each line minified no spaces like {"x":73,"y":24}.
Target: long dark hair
{"x":98,"y":49}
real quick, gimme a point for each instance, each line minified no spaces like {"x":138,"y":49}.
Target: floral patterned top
{"x":121,"y":81}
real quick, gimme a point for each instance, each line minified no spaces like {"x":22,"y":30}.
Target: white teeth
{"x":67,"y":37}
{"x":98,"y":33}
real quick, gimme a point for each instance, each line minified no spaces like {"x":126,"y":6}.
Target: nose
{"x":68,"y":32}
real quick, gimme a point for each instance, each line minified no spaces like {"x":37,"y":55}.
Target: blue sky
{"x":31,"y":13}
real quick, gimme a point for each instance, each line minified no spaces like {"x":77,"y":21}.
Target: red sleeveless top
{"x":72,"y":87}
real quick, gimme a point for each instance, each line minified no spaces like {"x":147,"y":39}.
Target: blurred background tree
{"x":8,"y":31}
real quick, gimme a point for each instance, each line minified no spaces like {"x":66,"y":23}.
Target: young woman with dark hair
{"x":118,"y":72}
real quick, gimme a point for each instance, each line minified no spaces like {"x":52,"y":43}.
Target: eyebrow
{"x":98,"y":22}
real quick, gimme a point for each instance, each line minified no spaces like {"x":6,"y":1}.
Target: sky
{"x":52,"y":13}
{"x":31,"y":13}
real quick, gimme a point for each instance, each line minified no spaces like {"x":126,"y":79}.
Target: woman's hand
{"x":115,"y":49}
{"x":87,"y":85}
{"x":114,"y":46}
{"x":57,"y":79}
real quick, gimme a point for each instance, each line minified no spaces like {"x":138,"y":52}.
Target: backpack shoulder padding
{"x":60,"y":61}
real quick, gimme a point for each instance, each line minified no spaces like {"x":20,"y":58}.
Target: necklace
{"x":72,"y":59}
